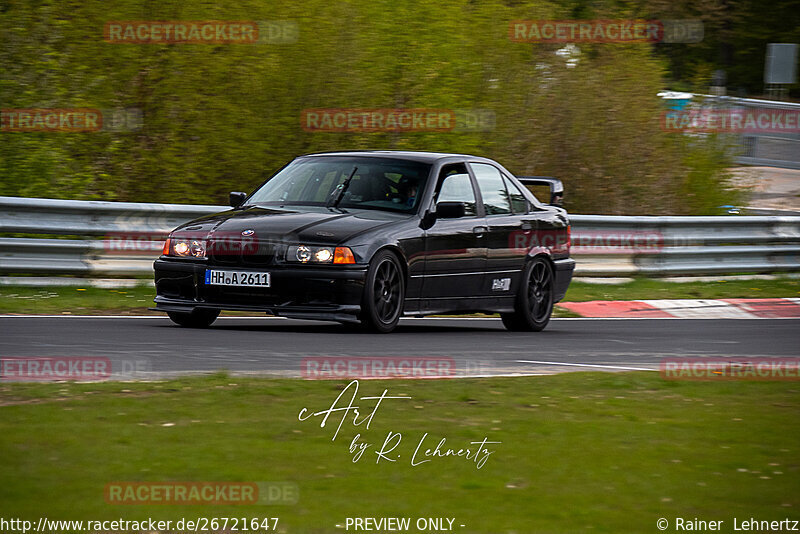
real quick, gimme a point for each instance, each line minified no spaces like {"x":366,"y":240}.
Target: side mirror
{"x":236,"y":198}
{"x":450,"y":210}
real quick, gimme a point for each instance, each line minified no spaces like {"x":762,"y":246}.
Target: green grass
{"x":134,"y":301}
{"x":580,"y":452}
{"x":78,"y":301}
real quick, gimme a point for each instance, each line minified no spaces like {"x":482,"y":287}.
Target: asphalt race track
{"x":477,"y":346}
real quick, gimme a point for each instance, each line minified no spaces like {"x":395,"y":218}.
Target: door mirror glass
{"x":235,"y":198}
{"x":450,"y":210}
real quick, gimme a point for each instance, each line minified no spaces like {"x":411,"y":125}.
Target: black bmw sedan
{"x":368,"y":237}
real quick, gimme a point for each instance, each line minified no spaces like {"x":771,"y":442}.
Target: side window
{"x":493,"y":189}
{"x":519,"y":203}
{"x":456,"y":186}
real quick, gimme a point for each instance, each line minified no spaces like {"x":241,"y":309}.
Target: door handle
{"x":480,"y":230}
{"x":526,"y":225}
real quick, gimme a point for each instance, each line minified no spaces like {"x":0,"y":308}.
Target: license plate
{"x":236,"y":278}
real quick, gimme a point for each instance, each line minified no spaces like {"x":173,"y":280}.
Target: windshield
{"x":378,"y":183}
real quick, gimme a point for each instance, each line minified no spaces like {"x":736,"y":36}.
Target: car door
{"x":455,"y":253}
{"x":509,"y":223}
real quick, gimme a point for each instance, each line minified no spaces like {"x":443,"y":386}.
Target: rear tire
{"x":534,"y":303}
{"x":384,"y":294}
{"x":195,"y":318}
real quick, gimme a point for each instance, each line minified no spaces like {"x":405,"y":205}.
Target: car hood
{"x":311,"y":225}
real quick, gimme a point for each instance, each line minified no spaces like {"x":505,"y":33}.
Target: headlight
{"x":303,"y":254}
{"x":185,"y":248}
{"x":323,"y":255}
{"x":311,"y":254}
{"x":181,"y":248}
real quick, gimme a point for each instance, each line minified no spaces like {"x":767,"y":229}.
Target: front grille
{"x":243,"y":295}
{"x":267,"y":296}
{"x":266,"y":258}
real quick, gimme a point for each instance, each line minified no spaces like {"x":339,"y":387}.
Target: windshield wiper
{"x":338,"y":193}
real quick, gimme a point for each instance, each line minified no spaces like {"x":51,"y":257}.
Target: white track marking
{"x":700,"y":309}
{"x":587,"y":365}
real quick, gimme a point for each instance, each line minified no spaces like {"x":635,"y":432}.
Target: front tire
{"x":384,"y":294}
{"x":195,"y":318}
{"x":534,"y":303}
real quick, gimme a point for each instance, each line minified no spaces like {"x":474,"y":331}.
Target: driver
{"x":407,"y":189}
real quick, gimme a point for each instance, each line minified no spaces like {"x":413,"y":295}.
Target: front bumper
{"x":563,"y":276}
{"x":301,"y":292}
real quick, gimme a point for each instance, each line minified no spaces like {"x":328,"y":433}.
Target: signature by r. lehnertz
{"x":477,"y":452}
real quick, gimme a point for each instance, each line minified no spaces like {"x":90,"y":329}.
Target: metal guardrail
{"x":769,"y":151}
{"x":685,"y":245}
{"x":602,"y":245}
{"x":768,"y":148}
{"x":89,"y":218}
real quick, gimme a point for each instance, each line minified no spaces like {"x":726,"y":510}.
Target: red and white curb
{"x":783,"y":308}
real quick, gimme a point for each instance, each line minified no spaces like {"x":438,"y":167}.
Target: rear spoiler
{"x":556,"y":187}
